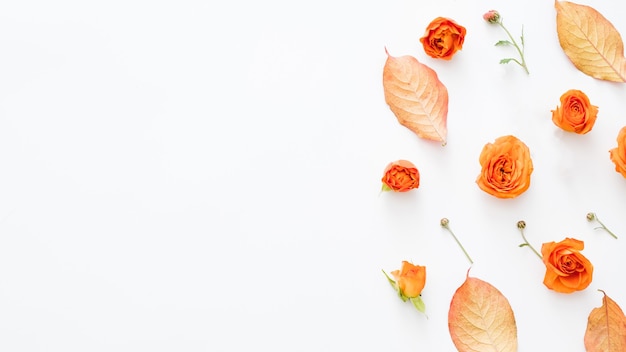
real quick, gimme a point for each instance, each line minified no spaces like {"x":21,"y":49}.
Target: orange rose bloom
{"x":401,"y":176}
{"x":566,"y":269}
{"x":576,"y":114}
{"x":506,"y":167}
{"x":618,"y":155}
{"x":410,"y":280}
{"x":443,"y":38}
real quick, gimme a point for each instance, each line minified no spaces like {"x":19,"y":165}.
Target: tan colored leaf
{"x":606,"y":328}
{"x":481,"y":319}
{"x":590,"y":41}
{"x":416,"y":96}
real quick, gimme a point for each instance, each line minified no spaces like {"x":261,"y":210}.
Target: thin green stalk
{"x":593,"y":216}
{"x":520,"y":51}
{"x":445,"y":224}
{"x":521,"y":225}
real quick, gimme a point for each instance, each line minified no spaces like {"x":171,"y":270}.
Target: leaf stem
{"x":520,"y":51}
{"x":445,"y":223}
{"x":521,"y":225}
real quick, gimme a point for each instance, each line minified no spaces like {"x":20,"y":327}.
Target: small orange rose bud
{"x":443,"y":38}
{"x":409,"y":283}
{"x":401,"y":176}
{"x":576,"y":113}
{"x":492,"y":16}
{"x":410,"y":279}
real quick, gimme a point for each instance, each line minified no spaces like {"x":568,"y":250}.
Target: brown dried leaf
{"x":481,"y":319}
{"x":590,"y":41}
{"x":416,"y":96}
{"x":606,"y":328}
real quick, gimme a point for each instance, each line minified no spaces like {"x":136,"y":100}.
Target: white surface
{"x":180,"y":176}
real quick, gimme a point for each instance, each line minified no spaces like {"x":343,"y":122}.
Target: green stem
{"x":444,"y":224}
{"x":605,"y":228}
{"x":521,"y":225}
{"x":520,"y":51}
{"x":592,"y":217}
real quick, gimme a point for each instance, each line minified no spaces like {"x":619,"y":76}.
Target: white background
{"x":205,"y":176}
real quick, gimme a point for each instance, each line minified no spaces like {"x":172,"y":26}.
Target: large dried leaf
{"x":606,"y":328}
{"x":481,"y":319}
{"x":416,"y":96}
{"x":590,"y":41}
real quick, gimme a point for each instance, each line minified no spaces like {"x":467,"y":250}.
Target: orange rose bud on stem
{"x":506,"y":167}
{"x":567,"y":270}
{"x":409,"y":283}
{"x":494,"y":17}
{"x":400,"y":176}
{"x":443,"y":38}
{"x":575,"y":114}
{"x":618,"y":154}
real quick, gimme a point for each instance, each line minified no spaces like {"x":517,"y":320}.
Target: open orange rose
{"x":401,"y":176}
{"x":506,"y":167}
{"x":618,"y":154}
{"x":443,"y":38}
{"x":567,"y":270}
{"x":575,"y":114}
{"x":410,"y":279}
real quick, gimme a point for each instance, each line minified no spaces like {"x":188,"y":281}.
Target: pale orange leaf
{"x":416,"y":96}
{"x":481,"y":319}
{"x":590,"y":41}
{"x":606,"y":328}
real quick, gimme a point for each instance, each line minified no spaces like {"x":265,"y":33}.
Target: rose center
{"x":576,"y":112}
{"x":402,"y":177}
{"x":569,"y":265}
{"x":505,"y":170}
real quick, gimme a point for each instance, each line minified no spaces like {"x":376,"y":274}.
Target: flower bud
{"x":444,"y":222}
{"x":521,"y":224}
{"x":492,"y":16}
{"x":400,"y":176}
{"x":591,"y":216}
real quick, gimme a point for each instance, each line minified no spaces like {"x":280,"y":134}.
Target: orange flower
{"x":401,"y":176}
{"x":506,"y":167}
{"x":567,"y":270}
{"x":618,"y":154}
{"x":576,"y":114}
{"x":410,"y":280}
{"x":443,"y":38}
{"x":492,"y":16}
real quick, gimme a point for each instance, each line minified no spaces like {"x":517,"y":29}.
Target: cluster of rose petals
{"x":618,"y":154}
{"x":575,"y":114}
{"x":567,"y":270}
{"x":506,"y":167}
{"x":401,"y":176}
{"x":443,"y":38}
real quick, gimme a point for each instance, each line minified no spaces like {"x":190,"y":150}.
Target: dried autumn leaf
{"x":416,"y":96}
{"x":606,"y":328}
{"x":590,"y":41}
{"x":481,"y":319}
